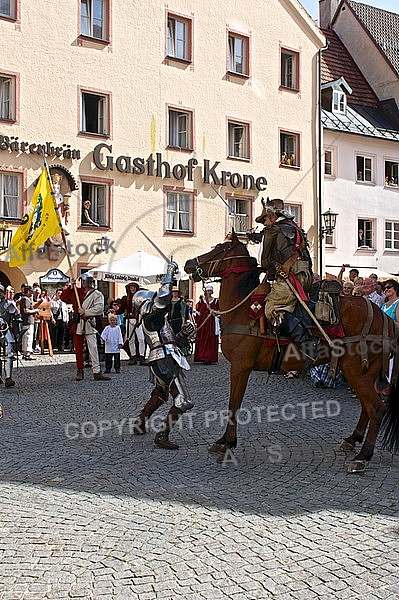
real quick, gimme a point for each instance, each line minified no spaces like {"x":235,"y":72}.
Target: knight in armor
{"x":285,"y":256}
{"x":10,"y":335}
{"x":165,"y":360}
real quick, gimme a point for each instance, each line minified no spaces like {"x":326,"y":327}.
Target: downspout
{"x":319,"y":167}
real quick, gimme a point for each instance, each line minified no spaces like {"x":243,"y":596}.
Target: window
{"x":295,"y":211}
{"x":238,"y":54}
{"x":365,"y":233}
{"x":391,"y":235}
{"x":238,"y":139}
{"x":180,"y":129}
{"x":339,"y":102}
{"x":10,"y":196}
{"x":7,"y":8}
{"x":328,"y":162}
{"x":289,"y":149}
{"x":391,"y":173}
{"x":7,"y":97}
{"x":179,"y":212}
{"x":93,"y":18}
{"x":364,"y":168}
{"x":179,"y":38}
{"x":289,"y":69}
{"x":95,"y":205}
{"x":95,"y":113}
{"x":239,"y":215}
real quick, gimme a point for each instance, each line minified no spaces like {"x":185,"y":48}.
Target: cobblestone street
{"x":89,"y":511}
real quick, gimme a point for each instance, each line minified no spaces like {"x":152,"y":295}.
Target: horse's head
{"x":220,"y":259}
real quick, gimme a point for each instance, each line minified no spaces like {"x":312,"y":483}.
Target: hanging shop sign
{"x":54,"y":276}
{"x":13,"y":144}
{"x":155,"y":166}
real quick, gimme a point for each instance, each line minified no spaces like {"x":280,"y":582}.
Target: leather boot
{"x":101,"y":377}
{"x":132,"y":360}
{"x":79,"y":375}
{"x":141,"y":360}
{"x":162,"y":438}
{"x":308,"y":344}
{"x":9,"y":382}
{"x":156,"y":400}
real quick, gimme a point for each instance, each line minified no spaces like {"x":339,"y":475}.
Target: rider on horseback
{"x":285,"y":257}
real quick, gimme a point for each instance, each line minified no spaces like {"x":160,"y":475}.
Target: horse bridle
{"x":214,"y":264}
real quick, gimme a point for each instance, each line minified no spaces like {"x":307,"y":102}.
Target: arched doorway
{"x":4,"y":280}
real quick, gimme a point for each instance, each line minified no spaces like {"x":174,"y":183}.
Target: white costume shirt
{"x":112,"y":337}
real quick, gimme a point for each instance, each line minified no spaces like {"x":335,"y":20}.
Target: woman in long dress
{"x":207,"y":337}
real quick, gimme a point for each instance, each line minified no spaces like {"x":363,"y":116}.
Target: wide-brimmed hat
{"x":275,"y":206}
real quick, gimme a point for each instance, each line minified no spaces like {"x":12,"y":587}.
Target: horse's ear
{"x":234,"y":237}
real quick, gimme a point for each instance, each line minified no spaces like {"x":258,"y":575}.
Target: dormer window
{"x":339,"y":102}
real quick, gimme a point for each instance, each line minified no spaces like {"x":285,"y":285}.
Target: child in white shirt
{"x":112,"y":337}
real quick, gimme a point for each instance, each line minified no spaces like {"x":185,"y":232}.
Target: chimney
{"x":327,"y":10}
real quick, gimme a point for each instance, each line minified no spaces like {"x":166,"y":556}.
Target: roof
{"x":382,"y":26}
{"x":337,"y":62}
{"x":365,"y":114}
{"x":359,"y":121}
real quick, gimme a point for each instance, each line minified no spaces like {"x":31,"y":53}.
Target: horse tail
{"x":390,"y":422}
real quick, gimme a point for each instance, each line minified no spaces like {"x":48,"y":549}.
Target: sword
{"x":311,"y":315}
{"x":168,"y":260}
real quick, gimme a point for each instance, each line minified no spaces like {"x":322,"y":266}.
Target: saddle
{"x":324,"y":305}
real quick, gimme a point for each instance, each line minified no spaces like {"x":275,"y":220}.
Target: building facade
{"x":360,"y":95}
{"x":173,"y":117}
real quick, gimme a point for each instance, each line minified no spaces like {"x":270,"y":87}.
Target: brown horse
{"x":361,"y":356}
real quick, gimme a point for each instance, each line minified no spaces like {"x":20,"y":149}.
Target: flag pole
{"x":62,"y":234}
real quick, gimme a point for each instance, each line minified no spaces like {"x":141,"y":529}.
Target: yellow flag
{"x":40,"y":222}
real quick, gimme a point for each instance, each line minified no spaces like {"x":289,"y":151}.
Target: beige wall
{"x":45,"y":50}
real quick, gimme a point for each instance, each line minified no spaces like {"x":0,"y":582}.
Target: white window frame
{"x":289,"y":69}
{"x":295,"y":210}
{"x":391,"y":173}
{"x":238,"y":135}
{"x":180,"y":128}
{"x":11,"y":12}
{"x":99,"y":196}
{"x":179,"y":211}
{"x":10,"y":199}
{"x":90,"y":22}
{"x":7,"y":97}
{"x":364,"y":168}
{"x":290,"y":145}
{"x":240,"y":213}
{"x":329,"y":162}
{"x":238,"y":54}
{"x":339,"y":102}
{"x":368,"y":226}
{"x":102,"y":102}
{"x":179,"y":37}
{"x":391,"y":237}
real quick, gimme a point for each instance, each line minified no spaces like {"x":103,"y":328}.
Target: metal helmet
{"x":140,"y":297}
{"x":88,"y":278}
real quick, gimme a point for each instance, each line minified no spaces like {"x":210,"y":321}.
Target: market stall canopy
{"x":140,"y":266}
{"x":363,"y":272}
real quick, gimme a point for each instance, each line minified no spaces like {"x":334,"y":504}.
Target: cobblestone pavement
{"x":88,"y":511}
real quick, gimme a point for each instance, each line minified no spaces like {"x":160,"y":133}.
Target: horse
{"x":361,"y":357}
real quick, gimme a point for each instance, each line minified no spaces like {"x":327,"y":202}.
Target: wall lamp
{"x":329,"y":223}
{"x":5,"y":236}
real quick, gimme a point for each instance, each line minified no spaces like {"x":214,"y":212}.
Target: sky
{"x":312,"y":6}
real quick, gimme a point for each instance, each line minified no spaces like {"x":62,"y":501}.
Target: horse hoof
{"x":217,"y":448}
{"x":346,"y":446}
{"x":357,"y":466}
